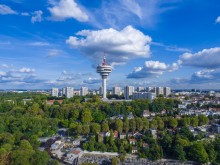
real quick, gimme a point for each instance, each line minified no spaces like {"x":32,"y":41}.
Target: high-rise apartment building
{"x":116,"y":90}
{"x":55,"y":92}
{"x":84,"y":91}
{"x":140,"y":89}
{"x":128,"y":91}
{"x":166,"y":91}
{"x":159,"y":91}
{"x":143,"y":95}
{"x":69,"y":92}
{"x":151,"y":89}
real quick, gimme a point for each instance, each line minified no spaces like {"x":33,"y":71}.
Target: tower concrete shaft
{"x":104,"y":88}
{"x":104,"y":70}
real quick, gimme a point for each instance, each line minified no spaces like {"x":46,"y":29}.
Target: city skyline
{"x":57,"y":43}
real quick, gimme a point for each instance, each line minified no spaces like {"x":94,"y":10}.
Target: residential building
{"x":54,"y":92}
{"x":84,"y":91}
{"x":69,"y":92}
{"x":140,"y":89}
{"x":116,"y":90}
{"x":146,"y":113}
{"x":143,"y":95}
{"x":128,"y":91}
{"x":166,"y":91}
{"x":134,"y":150}
{"x":216,"y":128}
{"x":151,"y":89}
{"x":63,"y":91}
{"x":159,"y":91}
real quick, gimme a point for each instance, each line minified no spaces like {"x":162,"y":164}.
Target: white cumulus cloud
{"x":152,"y":68}
{"x":4,"y":10}
{"x":66,"y":9}
{"x":26,"y":70}
{"x":120,"y":46}
{"x":207,"y":58}
{"x":217,"y":19}
{"x":37,"y":16}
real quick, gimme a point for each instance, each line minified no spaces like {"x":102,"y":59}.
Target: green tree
{"x":79,"y":129}
{"x":160,"y":123}
{"x":95,"y":128}
{"x":126,"y":125}
{"x":104,"y":127}
{"x":132,"y":125}
{"x":118,"y":125}
{"x":179,"y":153}
{"x":115,"y":161}
{"x":198,"y":153}
{"x":86,"y":116}
{"x":145,"y":124}
{"x":139,"y":124}
{"x":153,"y":124}
{"x":40,"y":158}
{"x":203,"y":120}
{"x":194,"y":121}
{"x":85,"y":129}
{"x":172,"y":122}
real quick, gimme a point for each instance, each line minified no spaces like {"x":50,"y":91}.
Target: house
{"x":122,"y":135}
{"x":191,"y":129}
{"x":216,"y":128}
{"x":201,"y":128}
{"x":134,"y":150}
{"x":101,"y":135}
{"x":163,"y":112}
{"x":152,"y":114}
{"x":132,"y":141}
{"x":107,"y":133}
{"x":137,"y":135}
{"x":146,"y":113}
{"x":55,"y":145}
{"x":130,"y":134}
{"x":51,"y":102}
{"x":130,"y":116}
{"x":76,"y":142}
{"x":153,"y":133}
{"x":115,"y":134}
{"x":73,"y":156}
{"x":145,"y":145}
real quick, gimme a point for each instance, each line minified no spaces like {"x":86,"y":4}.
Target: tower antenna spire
{"x":104,"y":59}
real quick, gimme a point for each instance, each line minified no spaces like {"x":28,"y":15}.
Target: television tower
{"x":104,"y":70}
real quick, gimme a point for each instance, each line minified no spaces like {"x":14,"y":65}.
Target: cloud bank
{"x":66,"y":9}
{"x":4,"y":10}
{"x":120,"y":46}
{"x":207,"y":58}
{"x":152,"y":68}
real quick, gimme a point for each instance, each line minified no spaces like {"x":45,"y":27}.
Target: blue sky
{"x":57,"y":43}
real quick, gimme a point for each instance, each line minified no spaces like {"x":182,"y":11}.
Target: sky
{"x":59,"y":43}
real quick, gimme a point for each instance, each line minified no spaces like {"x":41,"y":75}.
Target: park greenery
{"x":23,"y":122}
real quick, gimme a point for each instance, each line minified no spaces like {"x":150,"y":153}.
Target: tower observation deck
{"x":104,"y":70}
